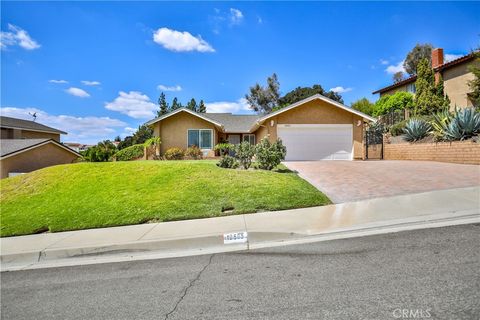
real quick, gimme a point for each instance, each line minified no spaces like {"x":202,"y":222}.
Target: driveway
{"x":346,"y":181}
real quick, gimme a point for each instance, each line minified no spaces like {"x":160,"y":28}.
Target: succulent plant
{"x":464,"y":125}
{"x":416,"y":129}
{"x":440,"y":122}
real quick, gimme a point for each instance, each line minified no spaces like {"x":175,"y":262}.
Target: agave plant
{"x":440,"y":122}
{"x":464,"y":125}
{"x":416,"y":129}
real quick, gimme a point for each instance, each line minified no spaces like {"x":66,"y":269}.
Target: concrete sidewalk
{"x":173,"y":239}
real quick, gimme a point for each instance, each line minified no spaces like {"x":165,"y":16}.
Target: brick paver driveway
{"x":345,"y":181}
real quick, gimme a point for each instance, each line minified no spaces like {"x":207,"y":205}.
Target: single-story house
{"x":455,"y":74}
{"x":316,"y":128}
{"x":26,"y":155}
{"x":13,"y":128}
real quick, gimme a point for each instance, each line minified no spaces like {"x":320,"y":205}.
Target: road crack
{"x":190,"y":285}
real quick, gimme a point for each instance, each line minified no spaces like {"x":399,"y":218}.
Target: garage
{"x":317,"y":141}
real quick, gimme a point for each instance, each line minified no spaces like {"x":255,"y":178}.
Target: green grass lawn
{"x":92,"y":195}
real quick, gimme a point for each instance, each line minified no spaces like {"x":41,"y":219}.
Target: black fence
{"x":393,"y":117}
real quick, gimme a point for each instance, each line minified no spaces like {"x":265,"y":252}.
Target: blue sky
{"x":96,"y":69}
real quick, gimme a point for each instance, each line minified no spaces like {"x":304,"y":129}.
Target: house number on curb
{"x":235,"y":237}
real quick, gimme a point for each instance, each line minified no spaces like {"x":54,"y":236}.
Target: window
{"x":202,"y":138}
{"x":411,"y":88}
{"x":250,"y":138}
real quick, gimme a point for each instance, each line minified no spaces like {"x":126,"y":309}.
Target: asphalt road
{"x":429,"y":274}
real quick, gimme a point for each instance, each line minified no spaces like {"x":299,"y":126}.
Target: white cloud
{"x":384,"y":62}
{"x":17,"y":36}
{"x":88,"y":129}
{"x":91,"y":83}
{"x":259,"y":20}
{"x":236,"y":16}
{"x":392,"y":69}
{"x":340,"y":89}
{"x":169,"y":88}
{"x":58,"y":81}
{"x":240,"y":106}
{"x":77,"y":92}
{"x":134,"y":104}
{"x":128,"y":131}
{"x":180,"y":41}
{"x":450,"y":57}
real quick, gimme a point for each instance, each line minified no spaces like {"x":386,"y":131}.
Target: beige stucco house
{"x":455,"y":75}
{"x":26,"y":146}
{"x":315,"y":128}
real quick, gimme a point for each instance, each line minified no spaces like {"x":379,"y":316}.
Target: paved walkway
{"x":345,"y":181}
{"x":202,"y":236}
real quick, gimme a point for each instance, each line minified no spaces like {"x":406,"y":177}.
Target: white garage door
{"x":317,"y":141}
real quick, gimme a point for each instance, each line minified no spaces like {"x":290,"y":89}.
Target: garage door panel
{"x":317,"y":142}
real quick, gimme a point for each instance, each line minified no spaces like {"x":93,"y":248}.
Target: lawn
{"x":92,"y":195}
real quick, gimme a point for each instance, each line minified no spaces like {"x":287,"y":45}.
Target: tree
{"x":117,"y":139}
{"x":163,"y":105}
{"x":475,"y":82}
{"x":301,"y":93}
{"x":142,"y":134}
{"x":102,"y":152}
{"x":400,"y":100}
{"x":201,"y":107}
{"x":418,"y":53}
{"x":429,"y":97}
{"x":398,"y":76}
{"x":192,"y":105}
{"x":264,"y":99}
{"x":364,"y":105}
{"x":175,"y":104}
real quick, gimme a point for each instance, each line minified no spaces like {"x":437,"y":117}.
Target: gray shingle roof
{"x":7,"y":122}
{"x":234,"y":122}
{"x":8,"y":146}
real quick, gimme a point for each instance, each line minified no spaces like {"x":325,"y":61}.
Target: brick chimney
{"x":437,"y":60}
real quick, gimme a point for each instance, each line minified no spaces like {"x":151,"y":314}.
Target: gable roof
{"x":14,"y":123}
{"x":239,"y":123}
{"x":311,"y":98}
{"x":184,"y":109}
{"x":11,"y":147}
{"x":447,"y":65}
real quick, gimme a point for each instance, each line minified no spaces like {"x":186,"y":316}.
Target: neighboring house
{"x":455,"y":75}
{"x":27,"y":146}
{"x":315,"y":128}
{"x":78,"y":147}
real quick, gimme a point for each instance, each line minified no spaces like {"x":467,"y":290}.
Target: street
{"x":433,"y":273}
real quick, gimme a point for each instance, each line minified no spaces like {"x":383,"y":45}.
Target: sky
{"x":96,"y":69}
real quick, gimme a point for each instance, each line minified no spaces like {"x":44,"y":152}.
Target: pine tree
{"x":175,"y":104}
{"x":201,"y":107}
{"x":192,"y":105}
{"x":429,"y":97}
{"x":163,"y":104}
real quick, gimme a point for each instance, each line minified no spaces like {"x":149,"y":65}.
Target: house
{"x":79,"y":147}
{"x":455,"y":76}
{"x":26,"y":146}
{"x":315,"y":128}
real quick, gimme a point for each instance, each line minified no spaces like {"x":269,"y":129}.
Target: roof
{"x":234,"y":122}
{"x":442,"y":67}
{"x":14,"y":123}
{"x":10,"y":147}
{"x":184,"y":109}
{"x":311,"y":98}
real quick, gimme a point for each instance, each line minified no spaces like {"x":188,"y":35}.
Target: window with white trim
{"x":202,"y":138}
{"x":250,"y":138}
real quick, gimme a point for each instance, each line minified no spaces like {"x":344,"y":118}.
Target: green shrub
{"x":154,"y":141}
{"x":174,"y":154}
{"x":224,"y":148}
{"x":194,"y":153}
{"x":227,"y":162}
{"x":464,"y":125}
{"x":398,"y":101}
{"x":130,"y":153}
{"x":440,"y":122}
{"x":398,"y":128}
{"x":416,"y":129}
{"x":244,"y":153}
{"x":269,"y":155}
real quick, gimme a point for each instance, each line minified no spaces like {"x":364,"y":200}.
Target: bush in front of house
{"x":398,"y":128}
{"x":269,"y":155}
{"x":130,"y":153}
{"x":174,"y":154}
{"x":416,"y":129}
{"x":224,"y":148}
{"x":228,"y":162}
{"x":398,"y":101}
{"x":194,"y":153}
{"x":464,"y":124}
{"x":244,"y":153}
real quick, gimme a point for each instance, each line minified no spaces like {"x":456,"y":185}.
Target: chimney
{"x":437,"y":57}
{"x":437,"y":60}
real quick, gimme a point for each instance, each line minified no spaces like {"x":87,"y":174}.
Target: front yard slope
{"x":92,"y":195}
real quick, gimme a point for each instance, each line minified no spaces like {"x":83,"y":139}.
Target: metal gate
{"x":374,"y":141}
